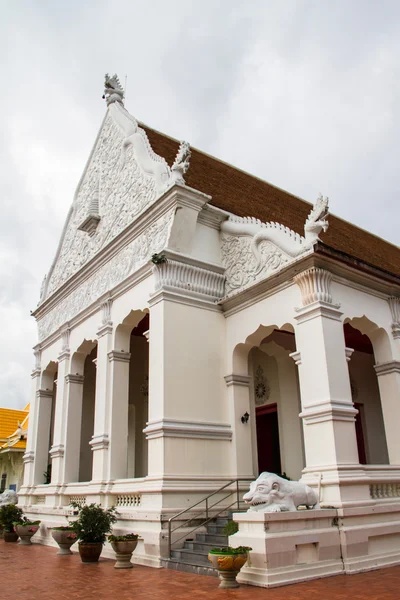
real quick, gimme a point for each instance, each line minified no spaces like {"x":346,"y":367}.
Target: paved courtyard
{"x":35,"y":572}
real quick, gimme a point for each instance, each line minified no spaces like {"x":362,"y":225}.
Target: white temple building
{"x":199,"y":326}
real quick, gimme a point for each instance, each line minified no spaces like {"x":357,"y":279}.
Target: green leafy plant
{"x":229,"y":550}
{"x":64,"y":528}
{"x":230,"y":528}
{"x":26,"y":522}
{"x":158,"y":259}
{"x":93,"y":523}
{"x":9,"y":514}
{"x":123,"y":538}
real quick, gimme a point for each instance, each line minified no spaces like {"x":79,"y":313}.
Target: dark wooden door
{"x":269,"y":456}
{"x":362,"y":457}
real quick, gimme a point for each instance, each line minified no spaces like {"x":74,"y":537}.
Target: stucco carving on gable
{"x":123,"y":264}
{"x":124,"y":176}
{"x":252,"y":250}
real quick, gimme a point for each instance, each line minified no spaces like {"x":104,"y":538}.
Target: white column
{"x":119,"y":414}
{"x":74,"y":394}
{"x":100,"y":440}
{"x":389,"y":387}
{"x":57,"y":449}
{"x":242,"y":432}
{"x":29,"y":456}
{"x":327,"y":409}
{"x":44,"y":399}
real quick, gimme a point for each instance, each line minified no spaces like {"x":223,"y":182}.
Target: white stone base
{"x":291,"y":547}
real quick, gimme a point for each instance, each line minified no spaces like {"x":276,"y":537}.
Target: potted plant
{"x":8,"y":515}
{"x":228,"y":562}
{"x":65,"y":536}
{"x":123,"y":546}
{"x":91,"y":526}
{"x":26,"y":529}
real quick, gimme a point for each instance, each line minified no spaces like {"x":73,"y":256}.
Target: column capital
{"x":105,"y":329}
{"x":29,"y":457}
{"x":318,"y":309}
{"x":72,"y":378}
{"x":387,"y":368}
{"x":57,"y":451}
{"x":106,"y":325}
{"x":241,"y":380}
{"x":349,"y":353}
{"x":64,"y":355}
{"x":119,"y":356}
{"x":328,"y":411}
{"x":296,"y":357}
{"x":44,"y":393}
{"x":36,"y":373}
{"x":394,"y":305}
{"x":315,"y":285}
{"x":99,"y":442}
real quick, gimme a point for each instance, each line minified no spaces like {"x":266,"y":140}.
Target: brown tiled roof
{"x":240,"y":193}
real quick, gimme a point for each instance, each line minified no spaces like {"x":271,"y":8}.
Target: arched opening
{"x":277,"y":439}
{"x":132,"y":337}
{"x":366,"y":340}
{"x":46,"y":417}
{"x":88,"y":410}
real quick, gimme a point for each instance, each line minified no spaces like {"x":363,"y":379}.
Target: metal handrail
{"x":206,"y":510}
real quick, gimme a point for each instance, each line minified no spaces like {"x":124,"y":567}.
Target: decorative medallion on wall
{"x":262,"y":389}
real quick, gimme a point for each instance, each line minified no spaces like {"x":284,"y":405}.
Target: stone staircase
{"x":192,"y":558}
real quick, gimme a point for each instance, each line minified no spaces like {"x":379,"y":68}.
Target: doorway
{"x":268,"y":449}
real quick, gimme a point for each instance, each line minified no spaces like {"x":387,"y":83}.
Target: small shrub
{"x":230,"y":528}
{"x":123,"y":538}
{"x":93,"y":523}
{"x":230,"y":550}
{"x":9,"y":514}
{"x":158,"y":259}
{"x":26,"y":522}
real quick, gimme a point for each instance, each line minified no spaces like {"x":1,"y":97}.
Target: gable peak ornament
{"x":113,"y":91}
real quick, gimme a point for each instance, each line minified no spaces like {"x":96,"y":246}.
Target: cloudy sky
{"x":303,"y":93}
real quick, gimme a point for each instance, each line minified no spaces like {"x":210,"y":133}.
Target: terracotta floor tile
{"x":36,"y":573}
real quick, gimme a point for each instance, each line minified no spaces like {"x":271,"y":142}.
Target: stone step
{"x":213,"y":528}
{"x":212,"y":538}
{"x":187,"y":567}
{"x":188,"y":556}
{"x":201,"y":546}
{"x":221,"y":521}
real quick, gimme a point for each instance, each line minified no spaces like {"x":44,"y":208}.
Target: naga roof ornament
{"x":181,"y":163}
{"x":113,"y":91}
{"x":252,"y":249}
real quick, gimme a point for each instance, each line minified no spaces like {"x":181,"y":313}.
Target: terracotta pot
{"x":90,"y":553}
{"x":10,"y":536}
{"x":25,"y":532}
{"x":123,"y":552}
{"x":228,"y":566}
{"x":64,"y":539}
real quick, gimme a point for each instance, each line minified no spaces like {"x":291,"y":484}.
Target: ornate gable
{"x":122,"y":178}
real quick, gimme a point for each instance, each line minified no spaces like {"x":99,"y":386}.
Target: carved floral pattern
{"x":127,"y":261}
{"x":262,"y":388}
{"x":240,"y":263}
{"x":124,"y":188}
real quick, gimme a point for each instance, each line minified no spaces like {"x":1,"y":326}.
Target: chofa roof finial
{"x":113,"y":91}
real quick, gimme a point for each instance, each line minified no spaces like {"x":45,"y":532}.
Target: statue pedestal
{"x":288,"y":547}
